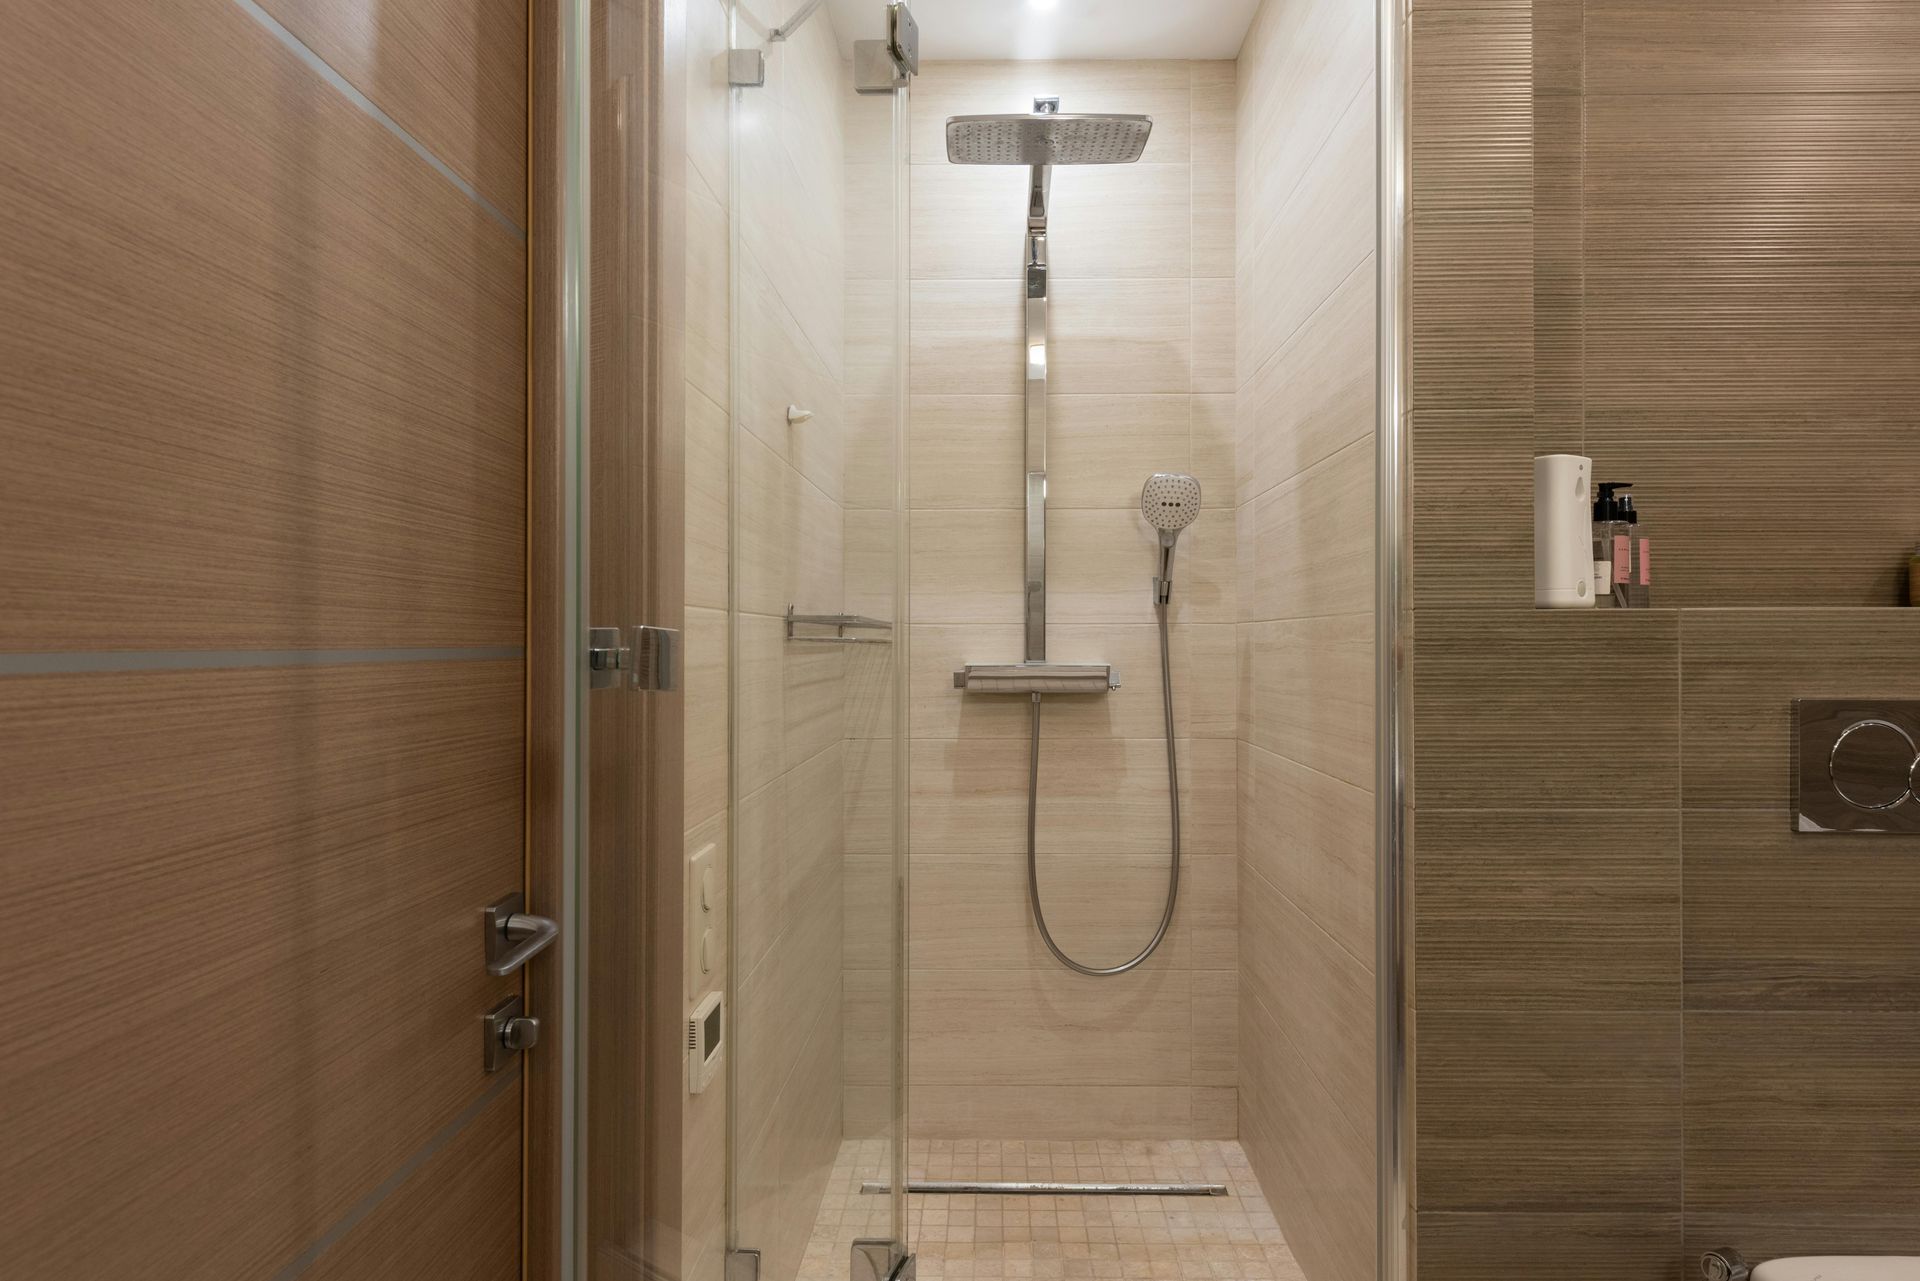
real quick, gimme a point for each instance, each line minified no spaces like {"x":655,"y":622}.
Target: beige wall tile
{"x":1310,"y":836}
{"x":1316,"y":989}
{"x":967,"y":337}
{"x":968,"y":451}
{"x":1114,"y":222}
{"x":1101,"y":796}
{"x":1216,"y":1112}
{"x":1313,"y":540}
{"x":1044,"y":1111}
{"x":1101,"y":448}
{"x":1315,"y":395}
{"x":1216,"y":1022}
{"x":1038,"y":1027}
{"x":1215,"y":350}
{"x":967,"y":222}
{"x":1118,"y":336}
{"x":709,"y":476}
{"x":707,"y":696}
{"x":1313,"y":693}
{"x":759,"y":691}
{"x":966,"y":566}
{"x":971,"y":913}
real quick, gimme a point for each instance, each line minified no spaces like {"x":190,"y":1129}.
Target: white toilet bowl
{"x":1840,"y":1267}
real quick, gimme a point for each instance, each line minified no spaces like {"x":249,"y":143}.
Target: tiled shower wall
{"x":1649,"y":1018}
{"x":1305,"y":518}
{"x":1005,"y":1042}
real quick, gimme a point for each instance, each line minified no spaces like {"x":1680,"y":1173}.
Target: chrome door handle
{"x":515,"y":937}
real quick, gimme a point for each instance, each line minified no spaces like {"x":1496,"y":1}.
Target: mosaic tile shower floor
{"x":959,"y":1238}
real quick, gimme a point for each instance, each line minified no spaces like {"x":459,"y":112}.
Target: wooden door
{"x":263,"y":591}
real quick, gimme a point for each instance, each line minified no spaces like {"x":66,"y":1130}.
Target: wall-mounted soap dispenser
{"x":1563,"y":531}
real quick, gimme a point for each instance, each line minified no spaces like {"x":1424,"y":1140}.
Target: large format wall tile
{"x":1798,"y":1115}
{"x":1546,"y":710}
{"x":1742,"y":669}
{"x":1039,"y":1027}
{"x":1568,"y":1246}
{"x":1776,"y":920}
{"x":1739,"y":47}
{"x":1548,"y":1111}
{"x":1317,"y":990}
{"x":1570,"y":910}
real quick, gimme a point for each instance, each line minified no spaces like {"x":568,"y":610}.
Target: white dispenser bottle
{"x":1563,"y":531}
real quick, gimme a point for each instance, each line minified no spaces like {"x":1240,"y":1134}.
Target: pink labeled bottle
{"x":1632,"y":558}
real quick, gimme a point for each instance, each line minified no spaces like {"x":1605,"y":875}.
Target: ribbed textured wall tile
{"x":1571,"y":910}
{"x":1538,"y":1111}
{"x":1802,"y":1114}
{"x":1777,"y":921}
{"x":1472,"y":508}
{"x":1559,"y":274}
{"x":1751,"y":46}
{"x":1471,"y":114}
{"x":1471,"y":305}
{"x":1546,"y":710}
{"x":1743,"y":669}
{"x":1559,"y":35}
{"x":1564,"y":1247}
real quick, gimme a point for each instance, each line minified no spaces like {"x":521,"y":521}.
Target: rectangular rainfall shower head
{"x":1047,"y":139}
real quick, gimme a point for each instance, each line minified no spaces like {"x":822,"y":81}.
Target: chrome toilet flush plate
{"x":1856,"y":765}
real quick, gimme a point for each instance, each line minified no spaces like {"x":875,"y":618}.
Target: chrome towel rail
{"x":842,"y":624}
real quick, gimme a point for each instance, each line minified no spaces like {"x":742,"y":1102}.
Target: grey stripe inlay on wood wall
{"x":189,"y":660}
{"x":366,"y":104}
{"x":392,"y":1183}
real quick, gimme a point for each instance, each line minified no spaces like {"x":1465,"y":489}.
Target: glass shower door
{"x":818,"y":637}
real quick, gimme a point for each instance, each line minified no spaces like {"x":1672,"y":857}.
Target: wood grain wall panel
{"x":1798,"y":1115}
{"x":1823,"y":924}
{"x":1742,"y":669}
{"x":1510,"y":703}
{"x":266,"y":368}
{"x":453,"y":73}
{"x":1751,"y":46}
{"x":1548,"y":1111}
{"x":1566,"y":1247}
{"x":1570,"y":910}
{"x":458,"y":1215}
{"x":266,"y":883}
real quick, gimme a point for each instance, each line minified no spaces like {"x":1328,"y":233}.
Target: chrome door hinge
{"x":650,"y":661}
{"x":743,"y":1265}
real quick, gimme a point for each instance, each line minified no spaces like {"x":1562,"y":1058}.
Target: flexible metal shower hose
{"x":1173,"y":794}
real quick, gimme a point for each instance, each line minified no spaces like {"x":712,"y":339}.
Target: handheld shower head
{"x":1170,"y":501}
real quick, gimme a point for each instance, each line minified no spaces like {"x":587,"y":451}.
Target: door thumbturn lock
{"x":507,"y":1031}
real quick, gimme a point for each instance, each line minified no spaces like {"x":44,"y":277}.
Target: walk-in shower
{"x":1169,"y":501}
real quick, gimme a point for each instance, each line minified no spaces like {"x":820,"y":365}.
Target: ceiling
{"x":1032,"y":29}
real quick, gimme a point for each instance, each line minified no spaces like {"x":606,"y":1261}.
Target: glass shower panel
{"x":818,"y":643}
